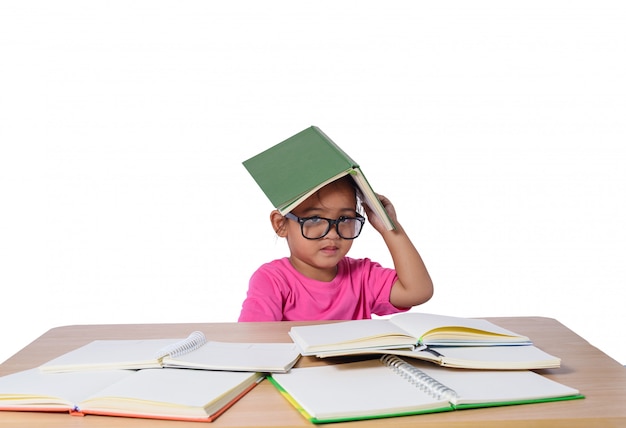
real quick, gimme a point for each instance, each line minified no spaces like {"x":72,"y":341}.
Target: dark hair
{"x":347,"y":179}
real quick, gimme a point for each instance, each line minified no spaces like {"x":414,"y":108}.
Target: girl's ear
{"x":278,"y":223}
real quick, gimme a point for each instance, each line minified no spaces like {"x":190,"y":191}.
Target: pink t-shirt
{"x":278,"y":292}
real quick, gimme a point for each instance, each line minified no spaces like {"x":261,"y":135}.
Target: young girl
{"x":318,"y":282}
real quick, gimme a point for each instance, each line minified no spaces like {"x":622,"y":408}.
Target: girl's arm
{"x":414,"y":285}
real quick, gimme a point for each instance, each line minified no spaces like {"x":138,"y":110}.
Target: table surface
{"x":600,"y":378}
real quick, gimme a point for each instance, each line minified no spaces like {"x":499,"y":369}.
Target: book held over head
{"x":294,"y":169}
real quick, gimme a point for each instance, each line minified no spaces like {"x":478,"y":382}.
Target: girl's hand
{"x":373,"y":218}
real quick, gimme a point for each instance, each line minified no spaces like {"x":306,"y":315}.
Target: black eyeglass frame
{"x":331,"y":223}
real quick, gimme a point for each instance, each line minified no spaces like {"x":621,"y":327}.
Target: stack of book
{"x":476,"y":364}
{"x":444,"y":340}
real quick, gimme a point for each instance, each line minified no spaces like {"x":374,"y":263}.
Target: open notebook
{"x":527,"y":357}
{"x":177,"y":394}
{"x":193,"y":352}
{"x":404,"y":330}
{"x":390,"y":386}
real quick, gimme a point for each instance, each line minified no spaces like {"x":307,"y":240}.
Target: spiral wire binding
{"x":418,"y":378}
{"x":192,"y":342}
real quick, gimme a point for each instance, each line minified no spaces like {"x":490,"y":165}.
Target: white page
{"x":346,"y":334}
{"x":111,"y":353}
{"x":498,"y":386}
{"x":354,"y":389}
{"x":476,"y":357}
{"x":418,"y":324}
{"x":239,"y":356}
{"x":67,"y":388}
{"x":172,"y":388}
{"x":513,"y":356}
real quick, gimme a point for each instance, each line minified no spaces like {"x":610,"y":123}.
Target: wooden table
{"x":601,"y":379}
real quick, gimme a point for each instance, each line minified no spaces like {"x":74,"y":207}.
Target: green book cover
{"x":297,"y":167}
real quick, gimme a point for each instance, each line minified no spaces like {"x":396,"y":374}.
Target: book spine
{"x":418,"y":378}
{"x":338,"y":149}
{"x":194,"y":341}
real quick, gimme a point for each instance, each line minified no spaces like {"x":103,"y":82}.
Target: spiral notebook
{"x":194,"y":352}
{"x":390,"y":386}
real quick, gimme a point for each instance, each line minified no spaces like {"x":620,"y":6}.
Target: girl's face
{"x":318,"y":259}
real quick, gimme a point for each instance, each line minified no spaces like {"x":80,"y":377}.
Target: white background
{"x":497,"y":128}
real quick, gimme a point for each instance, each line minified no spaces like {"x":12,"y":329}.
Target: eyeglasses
{"x":318,"y":227}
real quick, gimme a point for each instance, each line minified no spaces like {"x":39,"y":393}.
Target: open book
{"x":406,"y":330}
{"x":393,"y":387}
{"x":193,"y":395}
{"x":526,"y":357}
{"x":193,"y":352}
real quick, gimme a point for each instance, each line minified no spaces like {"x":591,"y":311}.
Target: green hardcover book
{"x":294,"y":169}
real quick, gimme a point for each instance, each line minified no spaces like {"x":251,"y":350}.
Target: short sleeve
{"x":263,"y":301}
